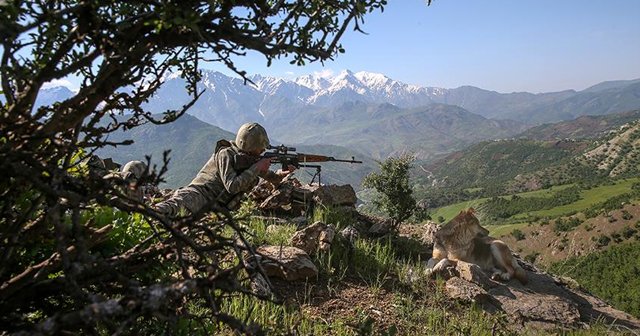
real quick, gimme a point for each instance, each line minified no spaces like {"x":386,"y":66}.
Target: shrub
{"x":616,"y":237}
{"x":628,"y":232}
{"x":531,"y":258}
{"x":517,"y":234}
{"x":395,"y":196}
{"x":603,"y":241}
{"x":562,"y":225}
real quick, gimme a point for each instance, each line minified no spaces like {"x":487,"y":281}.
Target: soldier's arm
{"x":232,"y":181}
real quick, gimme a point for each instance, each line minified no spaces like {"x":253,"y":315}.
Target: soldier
{"x":232,"y":170}
{"x":128,"y":179}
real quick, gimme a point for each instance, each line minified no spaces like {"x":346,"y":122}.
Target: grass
{"x":385,"y":268}
{"x":500,"y":230}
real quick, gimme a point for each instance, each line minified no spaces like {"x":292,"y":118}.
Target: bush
{"x":395,"y":196}
{"x":531,"y":258}
{"x":562,"y":225}
{"x":616,"y":237}
{"x":518,"y":235}
{"x":628,"y":232}
{"x":603,"y":241}
{"x":626,"y":215}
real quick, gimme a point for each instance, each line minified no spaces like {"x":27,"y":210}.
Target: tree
{"x":395,"y":195}
{"x":55,"y":216}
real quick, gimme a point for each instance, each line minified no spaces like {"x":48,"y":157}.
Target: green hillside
{"x":585,"y":198}
{"x":505,"y":167}
{"x":497,"y":167}
{"x":582,"y":127}
{"x":621,"y":266}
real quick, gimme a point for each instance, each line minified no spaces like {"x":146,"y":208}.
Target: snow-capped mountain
{"x":228,"y":103}
{"x":345,"y":87}
{"x":379,"y":115}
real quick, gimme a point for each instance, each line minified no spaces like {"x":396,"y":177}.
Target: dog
{"x":463,"y":239}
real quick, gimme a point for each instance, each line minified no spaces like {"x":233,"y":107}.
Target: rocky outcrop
{"x":315,"y":237}
{"x":293,"y":197}
{"x":332,"y":195}
{"x":381,"y":228}
{"x":544,"y":303}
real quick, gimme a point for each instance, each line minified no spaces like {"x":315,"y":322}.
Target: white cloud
{"x":58,"y":82}
{"x":289,"y":73}
{"x":326,"y":73}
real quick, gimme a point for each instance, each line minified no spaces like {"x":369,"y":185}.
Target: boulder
{"x":543,"y":304}
{"x":460,"y":289}
{"x":381,"y":228}
{"x":277,"y":199}
{"x":473,"y":273}
{"x":350,"y":234}
{"x":335,"y":195}
{"x":317,"y":236}
{"x":286,"y":262}
{"x":260,"y":286}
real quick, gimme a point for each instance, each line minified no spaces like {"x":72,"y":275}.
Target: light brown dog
{"x":464,"y":239}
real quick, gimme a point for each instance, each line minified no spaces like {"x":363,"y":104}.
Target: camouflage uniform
{"x":127,"y":179}
{"x":223,"y":180}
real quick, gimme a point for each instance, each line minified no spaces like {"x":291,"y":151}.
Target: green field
{"x":500,"y":230}
{"x":587,"y":198}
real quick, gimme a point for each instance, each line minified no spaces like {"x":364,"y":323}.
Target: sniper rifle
{"x":283,"y":155}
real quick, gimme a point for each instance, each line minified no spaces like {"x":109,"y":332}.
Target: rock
{"x":473,"y":273}
{"x":460,"y":289}
{"x":334,"y":195}
{"x":317,"y":236}
{"x":277,"y":199}
{"x":381,"y":228}
{"x":350,"y":234}
{"x":300,"y":221}
{"x":326,"y":238}
{"x":260,"y":286}
{"x":543,"y":304}
{"x":262,"y":190}
{"x":286,"y":262}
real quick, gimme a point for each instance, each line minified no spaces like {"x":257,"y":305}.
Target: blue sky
{"x":501,"y":45}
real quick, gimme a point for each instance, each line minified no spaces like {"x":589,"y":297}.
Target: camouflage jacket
{"x":224,"y":178}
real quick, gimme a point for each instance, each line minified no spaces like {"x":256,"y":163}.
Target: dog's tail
{"x":519,"y":272}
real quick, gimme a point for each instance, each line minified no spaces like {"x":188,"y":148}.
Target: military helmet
{"x":134,"y":169}
{"x":252,"y":137}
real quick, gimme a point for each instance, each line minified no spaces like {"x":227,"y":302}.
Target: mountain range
{"x":378,"y":116}
{"x":586,"y":149}
{"x":228,"y":102}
